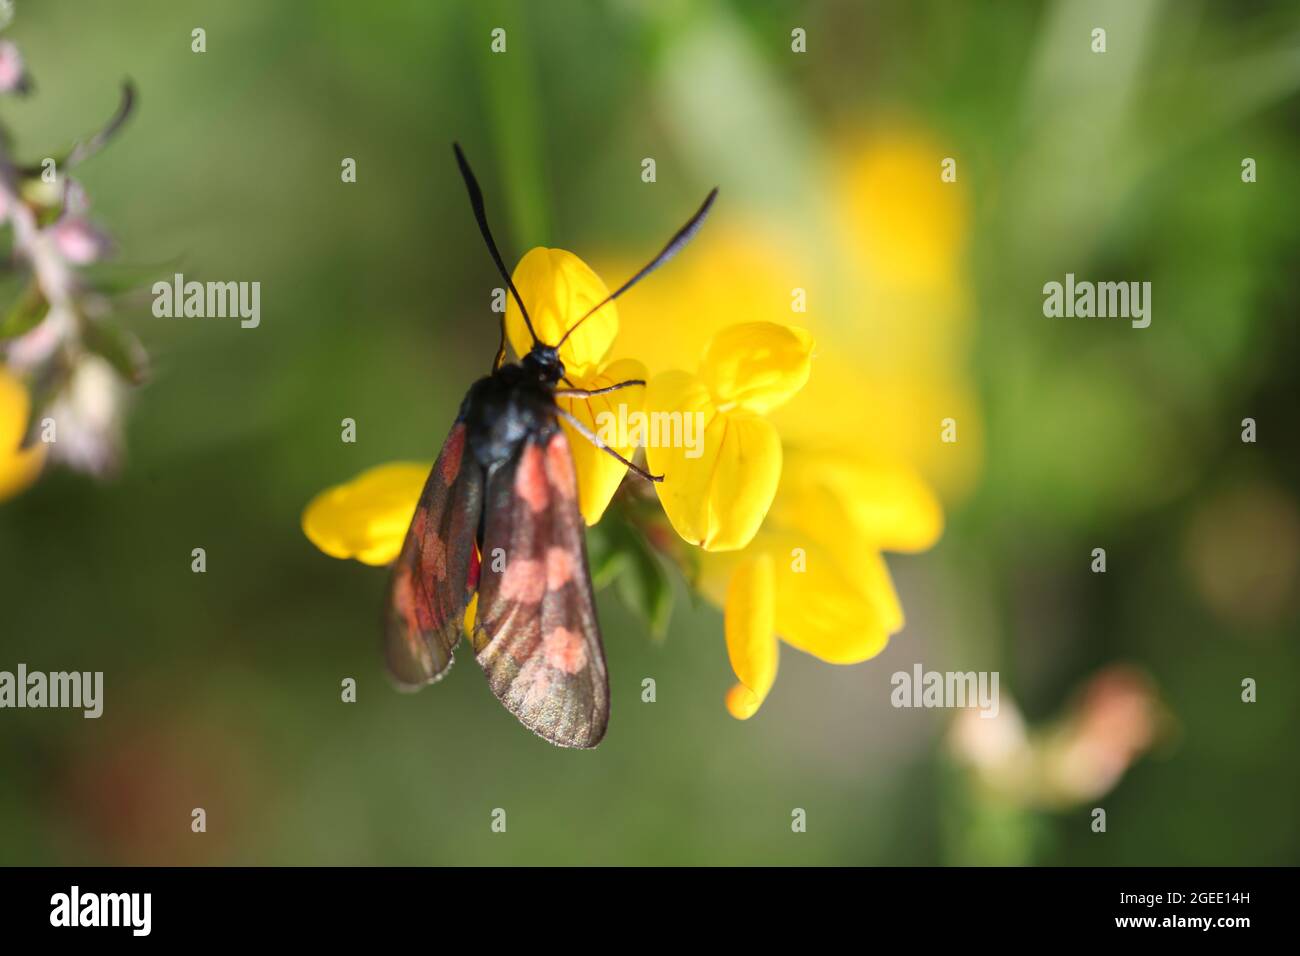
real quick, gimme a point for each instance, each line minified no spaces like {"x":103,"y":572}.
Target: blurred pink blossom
{"x":78,"y":241}
{"x":13,"y":73}
{"x":1117,"y":717}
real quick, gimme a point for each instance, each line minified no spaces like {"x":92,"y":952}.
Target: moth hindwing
{"x":536,"y":634}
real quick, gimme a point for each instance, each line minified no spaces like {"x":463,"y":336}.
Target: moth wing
{"x":536,"y":634}
{"x":433,"y":577}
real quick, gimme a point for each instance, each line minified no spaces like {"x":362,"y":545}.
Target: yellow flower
{"x":903,"y":312}
{"x":905,"y":225}
{"x":831,"y":593}
{"x":717,"y":488}
{"x":886,"y":299}
{"x":367,"y":517}
{"x":18,"y":466}
{"x":888,"y":304}
{"x":559,"y":290}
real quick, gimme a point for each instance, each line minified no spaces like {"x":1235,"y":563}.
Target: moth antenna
{"x":480,"y":214}
{"x":675,"y":244}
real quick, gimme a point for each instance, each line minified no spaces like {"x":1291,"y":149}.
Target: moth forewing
{"x":433,"y":577}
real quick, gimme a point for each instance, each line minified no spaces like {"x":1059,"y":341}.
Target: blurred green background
{"x":222,"y":689}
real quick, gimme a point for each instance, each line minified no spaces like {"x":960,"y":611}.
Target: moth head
{"x":545,"y":361}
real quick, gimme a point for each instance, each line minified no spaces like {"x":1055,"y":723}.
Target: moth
{"x":504,"y":486}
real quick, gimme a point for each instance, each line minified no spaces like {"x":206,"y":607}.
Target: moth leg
{"x":589,"y":392}
{"x":595,"y":439}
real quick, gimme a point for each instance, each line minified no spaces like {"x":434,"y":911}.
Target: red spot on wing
{"x":530,"y":479}
{"x":452,"y":452}
{"x":434,"y":550}
{"x":559,"y":467}
{"x":559,"y":568}
{"x":565,"y":650}
{"x":524,"y":581}
{"x":415,"y":612}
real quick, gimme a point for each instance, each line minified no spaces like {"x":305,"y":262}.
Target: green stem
{"x":509,"y":82}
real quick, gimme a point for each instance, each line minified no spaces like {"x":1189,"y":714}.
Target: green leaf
{"x":618,"y":553}
{"x":646,"y":588}
{"x":25,"y":314}
{"x":119,"y":348}
{"x":515,"y":117}
{"x":604,"y":558}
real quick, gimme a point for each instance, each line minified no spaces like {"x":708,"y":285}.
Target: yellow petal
{"x":836,"y":599}
{"x":751,"y":643}
{"x":599,"y":473}
{"x":717,"y":486}
{"x":471,"y":612}
{"x":868,"y":392}
{"x":14,"y":408}
{"x":905,"y":224}
{"x":558,"y":289}
{"x":841,"y":613}
{"x":367,"y":517}
{"x":18,"y":466}
{"x":757,"y":365}
{"x":20,"y":469}
{"x":892,"y":507}
{"x":887,"y":505}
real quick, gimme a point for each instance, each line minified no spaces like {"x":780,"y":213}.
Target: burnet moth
{"x":504,"y":485}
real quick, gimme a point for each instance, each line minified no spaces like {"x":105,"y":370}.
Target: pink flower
{"x":13,"y":73}
{"x":78,"y":241}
